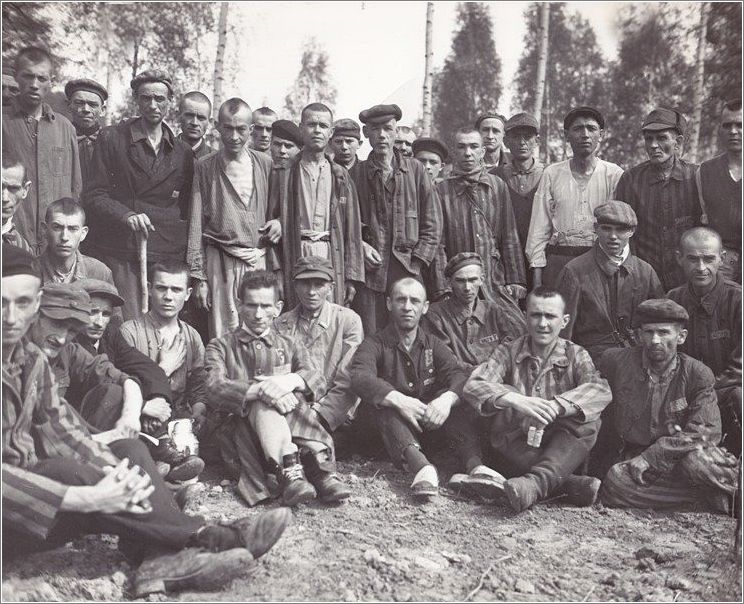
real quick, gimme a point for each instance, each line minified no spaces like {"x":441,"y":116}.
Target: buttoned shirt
{"x":86,"y":143}
{"x":37,"y":425}
{"x":563,"y":212}
{"x":567,"y":375}
{"x":382,"y":364}
{"x":315,"y":204}
{"x":85,"y":267}
{"x":522,"y":183}
{"x":649,"y":408}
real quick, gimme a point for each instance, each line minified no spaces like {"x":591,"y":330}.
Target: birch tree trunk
{"x":542,"y":59}
{"x":428,"y":75}
{"x":219,"y":61}
{"x":697,"y":87}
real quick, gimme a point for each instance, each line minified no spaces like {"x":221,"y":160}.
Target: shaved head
{"x":231,"y":107}
{"x":408,"y":282}
{"x":699,"y":235}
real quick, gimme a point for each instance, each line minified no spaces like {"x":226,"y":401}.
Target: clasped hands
{"x":422,"y":416}
{"x":277,"y":391}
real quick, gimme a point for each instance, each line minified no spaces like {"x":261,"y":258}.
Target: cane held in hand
{"x":142,"y":258}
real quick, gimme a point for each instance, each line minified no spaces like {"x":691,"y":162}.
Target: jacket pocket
{"x":58,"y":161}
{"x":412,"y":227}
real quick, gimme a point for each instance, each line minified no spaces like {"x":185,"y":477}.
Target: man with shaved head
{"x":194,"y":116}
{"x":404,"y":137}
{"x":262,"y":120}
{"x":229,"y":228}
{"x":714,"y":305}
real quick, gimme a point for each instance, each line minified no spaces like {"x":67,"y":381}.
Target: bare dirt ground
{"x":380,"y":546}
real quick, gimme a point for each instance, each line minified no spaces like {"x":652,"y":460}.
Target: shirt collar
{"x":677,"y":172}
{"x":608,"y":264}
{"x":324,"y":317}
{"x":391,"y":337}
{"x":46,"y":112}
{"x":709,"y":301}
{"x":138,"y":132}
{"x":463,"y":313}
{"x":246,"y":337}
{"x":399,"y":164}
{"x":511,"y":167}
{"x":8,"y":226}
{"x":557,"y":356}
{"x":671,"y":368}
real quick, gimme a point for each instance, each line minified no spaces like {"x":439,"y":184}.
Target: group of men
{"x":571,"y":329}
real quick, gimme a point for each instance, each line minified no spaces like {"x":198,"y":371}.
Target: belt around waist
{"x":567,"y":250}
{"x":325,"y":238}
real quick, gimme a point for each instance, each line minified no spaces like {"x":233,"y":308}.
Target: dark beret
{"x":665,"y":119}
{"x":347,"y":127}
{"x":313,"y":267}
{"x":152,"y":75}
{"x":380,"y":113}
{"x":522,"y":120}
{"x":287,"y":130}
{"x":434,"y":145}
{"x":104,"y":289}
{"x":17,"y":261}
{"x":461,"y":260}
{"x":485,"y":116}
{"x":85,"y":84}
{"x":660,"y":310}
{"x":583,"y":112}
{"x":616,"y":212}
{"x":65,"y":301}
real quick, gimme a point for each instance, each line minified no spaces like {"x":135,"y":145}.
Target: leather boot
{"x":293,"y":484}
{"x":581,"y":490}
{"x":329,"y":486}
{"x":257,"y":534}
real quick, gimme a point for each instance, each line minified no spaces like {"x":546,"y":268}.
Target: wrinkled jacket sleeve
{"x":223,"y":393}
{"x":365,"y":381}
{"x":353,"y":249}
{"x":592,"y":392}
{"x":131,"y":361}
{"x":570,"y":288}
{"x":541,"y":228}
{"x":451,"y":375}
{"x":88,"y":371}
{"x":302,"y":365}
{"x":430,"y":219}
{"x":196,"y":380}
{"x":511,"y":248}
{"x":485,"y":386}
{"x":76,"y":184}
{"x":195,"y":241}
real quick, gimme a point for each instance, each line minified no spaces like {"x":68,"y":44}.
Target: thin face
{"x":234,"y":130}
{"x":584,"y":136}
{"x":545,"y":319}
{"x":613,"y":238}
{"x":660,"y":340}
{"x":14,"y":190}
{"x":404,"y":143}
{"x":700,"y":259}
{"x":381,"y":135}
{"x":731,"y":130}
{"x":194,"y":119}
{"x":282,"y":151}
{"x":431,"y":161}
{"x":101,"y":311}
{"x":407,"y":303}
{"x":469,"y":151}
{"x":345,"y":149}
{"x":466,"y":283}
{"x":87,"y":109}
{"x":258,"y":309}
{"x":522,"y":142}
{"x":312,"y":293}
{"x":662,"y":145}
{"x":51,"y":335}
{"x":21,"y":296}
{"x":153,"y":101}
{"x":168,"y":293}
{"x":492,"y":131}
{"x":64,"y":234}
{"x":316,"y":129}
{"x":261,"y":131}
{"x":34,"y":81}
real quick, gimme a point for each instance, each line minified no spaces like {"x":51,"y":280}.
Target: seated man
{"x":545,"y":397}
{"x":58,"y":483}
{"x":15,"y":189}
{"x":714,"y":306}
{"x":414,"y":382}
{"x":259,"y":381}
{"x":331,"y":334}
{"x":604,"y":286}
{"x":61,"y":261}
{"x":667,"y":420}
{"x":469,"y":325}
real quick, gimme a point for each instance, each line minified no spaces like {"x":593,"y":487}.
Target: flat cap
{"x":662,"y":118}
{"x":85,"y":84}
{"x":347,"y":127}
{"x":434,"y":145}
{"x":380,"y":113}
{"x":65,"y":301}
{"x":104,"y":289}
{"x":17,"y":261}
{"x":489,"y":115}
{"x":461,"y":260}
{"x":616,"y":212}
{"x":660,"y":310}
{"x":583,"y":111}
{"x":522,"y":120}
{"x":287,"y":130}
{"x":313,"y":267}
{"x":152,"y":75}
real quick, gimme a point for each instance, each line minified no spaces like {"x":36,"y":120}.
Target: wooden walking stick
{"x":142,"y":258}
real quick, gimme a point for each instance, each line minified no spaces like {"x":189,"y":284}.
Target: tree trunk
{"x":105,"y":52}
{"x":428,"y":75}
{"x":135,"y":59}
{"x":219,"y":61}
{"x":697,"y":87}
{"x":542,"y":59}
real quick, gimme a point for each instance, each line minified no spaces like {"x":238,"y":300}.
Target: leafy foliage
{"x":313,"y":84}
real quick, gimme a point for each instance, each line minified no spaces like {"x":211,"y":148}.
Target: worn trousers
{"x":730,"y":405}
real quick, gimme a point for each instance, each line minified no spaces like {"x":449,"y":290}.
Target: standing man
{"x":491,"y":128}
{"x":87,"y":102}
{"x":322,"y":211}
{"x":43,"y":140}
{"x":15,"y":189}
{"x":404,"y":137}
{"x":345,"y":143}
{"x":714,"y":329}
{"x":194,"y":117}
{"x":663,"y":193}
{"x":286,"y":142}
{"x":720,"y":190}
{"x":262,"y":121}
{"x":140,"y":186}
{"x":401,"y":215}
{"x":229,"y":227}
{"x":562,"y":222}
{"x":604,"y":286}
{"x":432,"y":153}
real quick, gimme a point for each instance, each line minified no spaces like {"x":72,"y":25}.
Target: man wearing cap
{"x":262,"y":121}
{"x":469,"y":325}
{"x":194,"y":117}
{"x":404,"y":137}
{"x":604,"y":286}
{"x":663,"y":193}
{"x":230,"y":229}
{"x":87,"y":101}
{"x":58,"y":483}
{"x":345,"y":142}
{"x":491,"y":128}
{"x":321,"y":211}
{"x":714,"y":329}
{"x":139,"y":189}
{"x":666,"y":418}
{"x":286,"y":142}
{"x":432,"y":153}
{"x":478,"y":218}
{"x":401,"y":215}
{"x":562,"y":222}
{"x":45,"y":141}
{"x":16,"y":186}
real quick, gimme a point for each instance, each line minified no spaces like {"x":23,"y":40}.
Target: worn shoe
{"x":189,"y":468}
{"x":522,"y":493}
{"x":192,"y":569}
{"x":292,"y":481}
{"x":484,"y":482}
{"x":328,"y":485}
{"x":260,"y":534}
{"x":166,"y":451}
{"x":425,"y":485}
{"x":581,"y":490}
